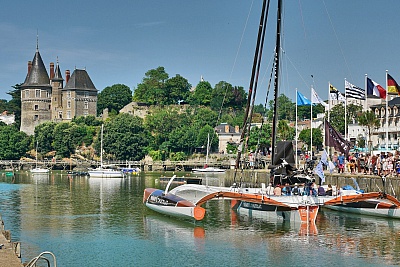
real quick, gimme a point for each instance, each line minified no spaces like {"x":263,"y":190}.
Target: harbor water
{"x":103,"y":222}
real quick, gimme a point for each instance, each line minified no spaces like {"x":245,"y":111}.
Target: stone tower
{"x":35,"y":95}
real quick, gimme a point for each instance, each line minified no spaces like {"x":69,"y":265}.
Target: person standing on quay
{"x":341,"y":160}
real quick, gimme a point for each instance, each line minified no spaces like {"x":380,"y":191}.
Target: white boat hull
{"x":179,"y":212}
{"x":39,"y":170}
{"x":208,"y":170}
{"x":388,"y":213}
{"x":105,"y":174}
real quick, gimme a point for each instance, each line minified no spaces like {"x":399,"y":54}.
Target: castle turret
{"x":35,"y":95}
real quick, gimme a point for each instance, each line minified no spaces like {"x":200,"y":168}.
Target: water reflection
{"x":104,"y":222}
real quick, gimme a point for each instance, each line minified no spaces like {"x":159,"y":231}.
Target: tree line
{"x":181,"y":119}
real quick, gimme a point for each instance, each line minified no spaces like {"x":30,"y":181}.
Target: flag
{"x":324,"y":158}
{"x":335,"y":139}
{"x":315,"y":99}
{"x":331,"y":166}
{"x":353,"y":91}
{"x":319,"y":170}
{"x":392,"y":86}
{"x":302,"y":100}
{"x":335,"y":94}
{"x":375,"y":89}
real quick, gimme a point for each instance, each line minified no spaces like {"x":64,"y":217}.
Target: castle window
{"x":37,"y":93}
{"x":36,"y":107}
{"x":85,"y":113}
{"x":36,"y":117}
{"x":68,"y":93}
{"x":26,"y":93}
{"x":86,"y":105}
{"x":68,"y":104}
{"x":86,"y":94}
{"x":49,"y":107}
{"x":60,"y":114}
{"x":68,"y":114}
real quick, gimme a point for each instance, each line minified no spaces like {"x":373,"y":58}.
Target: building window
{"x":60,"y":114}
{"x":26,"y":93}
{"x":85,"y":113}
{"x":48,"y":94}
{"x":37,"y":93}
{"x":86,"y":94}
{"x":49,"y":107}
{"x":68,"y":104}
{"x":36,"y":107}
{"x":36,"y":117}
{"x":68,"y":114}
{"x":68,"y":93}
{"x":86,"y":105}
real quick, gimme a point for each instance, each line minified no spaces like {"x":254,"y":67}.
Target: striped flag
{"x":353,"y":91}
{"x":392,"y":85}
{"x":335,"y":94}
{"x":373,"y":88}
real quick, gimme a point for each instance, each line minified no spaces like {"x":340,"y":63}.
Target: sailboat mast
{"x":276,"y":81}
{"x":101,"y":146}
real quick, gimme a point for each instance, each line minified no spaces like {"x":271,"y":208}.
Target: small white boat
{"x":105,"y":173}
{"x":39,"y":170}
{"x":208,"y":170}
{"x":102,"y":172}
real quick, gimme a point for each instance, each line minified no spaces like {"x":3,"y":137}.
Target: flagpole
{"x":296,"y":131}
{"x":387,"y":116}
{"x":345,"y":111}
{"x":311,"y":144}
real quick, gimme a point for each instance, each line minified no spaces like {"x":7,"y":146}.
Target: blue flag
{"x":302,"y":100}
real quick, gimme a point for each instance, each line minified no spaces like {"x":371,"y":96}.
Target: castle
{"x":44,"y":98}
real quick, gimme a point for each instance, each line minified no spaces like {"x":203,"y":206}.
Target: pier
{"x":10,"y":252}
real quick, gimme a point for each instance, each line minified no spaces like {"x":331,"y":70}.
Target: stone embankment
{"x":10,"y":254}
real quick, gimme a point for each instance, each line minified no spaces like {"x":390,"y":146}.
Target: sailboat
{"x":206,"y":168}
{"x":37,"y":169}
{"x":102,"y":172}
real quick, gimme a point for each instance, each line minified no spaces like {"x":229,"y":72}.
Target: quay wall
{"x":10,"y":252}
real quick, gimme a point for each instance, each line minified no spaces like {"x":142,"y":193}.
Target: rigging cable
{"x":251,"y":94}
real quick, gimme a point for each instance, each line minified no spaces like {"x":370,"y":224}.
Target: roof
{"x":80,"y":80}
{"x":38,"y":75}
{"x":57,"y":74}
{"x":394,"y":102}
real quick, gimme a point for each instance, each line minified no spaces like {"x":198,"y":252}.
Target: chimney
{"x":227,"y":128}
{"x":51,"y":70}
{"x":237,"y":129}
{"x":67,"y":73}
{"x":29,"y":66}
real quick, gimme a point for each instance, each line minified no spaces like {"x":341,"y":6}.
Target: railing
{"x":42,"y":256}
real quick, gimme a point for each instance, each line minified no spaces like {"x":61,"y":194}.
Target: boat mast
{"x":276,"y":80}
{"x":101,"y":146}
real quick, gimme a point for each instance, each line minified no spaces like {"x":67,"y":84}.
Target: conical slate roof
{"x":80,"y":80}
{"x":38,"y":75}
{"x":57,"y":74}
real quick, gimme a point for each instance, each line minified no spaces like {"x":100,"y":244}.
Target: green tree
{"x":13,"y":143}
{"x":369,"y":120}
{"x":176,"y":89}
{"x":61,"y":141}
{"x":151,"y":90}
{"x":284,"y":131}
{"x":305,"y":137}
{"x":44,"y":135}
{"x":125,"y":138}
{"x":114,"y":98}
{"x":336,"y":117}
{"x":89,"y":120}
{"x":260,"y":139}
{"x":202,"y":94}
{"x":226,"y":96}
{"x":286,"y":109}
{"x":14,"y":105}
{"x":205,"y":133}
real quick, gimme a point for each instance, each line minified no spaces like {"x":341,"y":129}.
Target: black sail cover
{"x":284,"y":150}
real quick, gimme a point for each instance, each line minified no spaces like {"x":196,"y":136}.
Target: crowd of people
{"x":310,"y":189}
{"x":383,"y":164}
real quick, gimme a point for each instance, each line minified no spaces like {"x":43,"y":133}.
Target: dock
{"x":9,"y":251}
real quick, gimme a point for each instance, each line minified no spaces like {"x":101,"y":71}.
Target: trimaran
{"x":186,"y":200}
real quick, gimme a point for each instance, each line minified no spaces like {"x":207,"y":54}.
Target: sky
{"x":117,"y":42}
